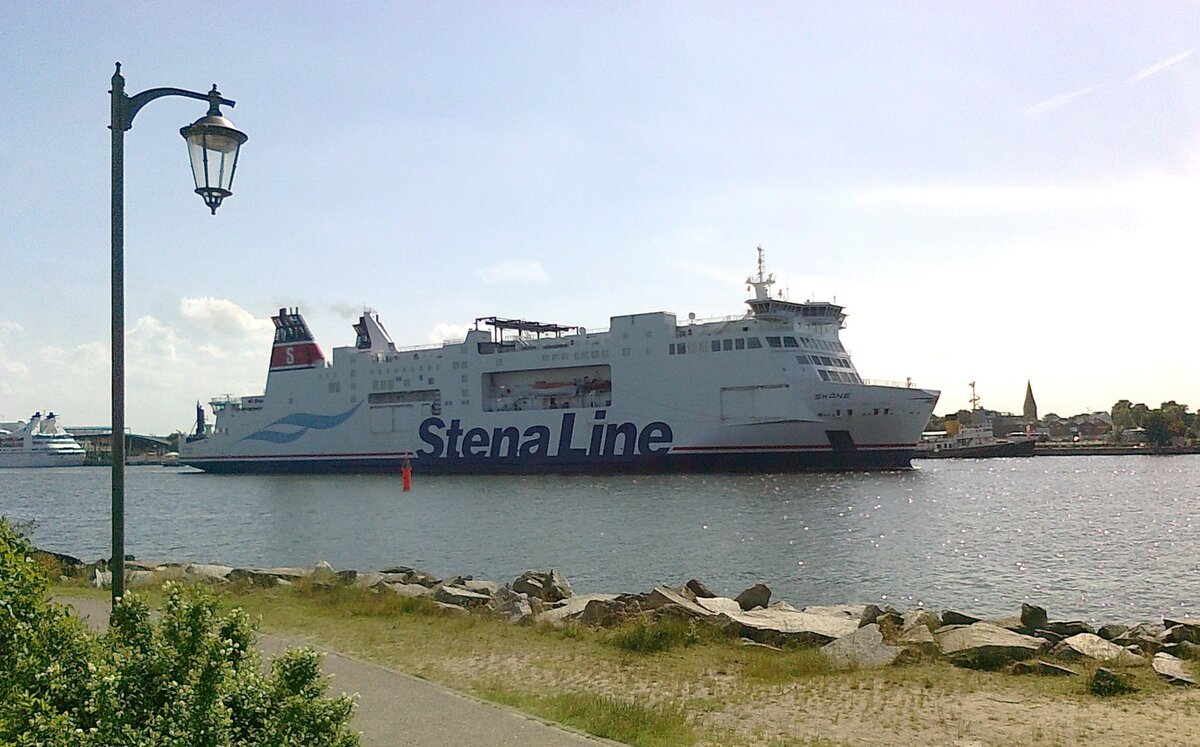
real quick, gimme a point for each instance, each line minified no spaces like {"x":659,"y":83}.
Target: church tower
{"x":1031,"y":416}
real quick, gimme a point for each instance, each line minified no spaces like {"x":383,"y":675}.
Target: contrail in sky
{"x":1061,"y":99}
{"x":1161,"y":65}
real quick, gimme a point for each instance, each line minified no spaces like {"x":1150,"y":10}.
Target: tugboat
{"x":971,"y":441}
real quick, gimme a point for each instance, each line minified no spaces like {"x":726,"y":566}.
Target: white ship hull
{"x":773,"y":391}
{"x":31,"y":459}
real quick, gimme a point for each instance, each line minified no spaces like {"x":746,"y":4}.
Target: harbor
{"x":1090,"y":537}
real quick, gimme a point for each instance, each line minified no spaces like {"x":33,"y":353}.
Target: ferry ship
{"x":773,"y":390}
{"x":41,"y":443}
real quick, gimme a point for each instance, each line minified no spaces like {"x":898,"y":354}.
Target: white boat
{"x":772,"y":390}
{"x":42,"y":442}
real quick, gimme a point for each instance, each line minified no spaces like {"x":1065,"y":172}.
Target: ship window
{"x":824,"y":374}
{"x":715,"y":346}
{"x":739,"y":343}
{"x":625,"y":351}
{"x":682,"y":349}
{"x":802,"y":359}
{"x":595,"y":353}
{"x":790,"y":342}
{"x":753,"y":343}
{"x":887,"y":411}
{"x":773,"y":342}
{"x":671,"y":349}
{"x":727,"y":344}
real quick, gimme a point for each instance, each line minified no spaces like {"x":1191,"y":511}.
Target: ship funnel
{"x":294,"y":346}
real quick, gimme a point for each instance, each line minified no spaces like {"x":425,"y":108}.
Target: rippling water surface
{"x":1111,"y":538}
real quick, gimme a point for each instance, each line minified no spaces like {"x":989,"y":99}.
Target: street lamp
{"x":213,"y":144}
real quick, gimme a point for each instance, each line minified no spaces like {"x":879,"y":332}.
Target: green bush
{"x":192,"y":679}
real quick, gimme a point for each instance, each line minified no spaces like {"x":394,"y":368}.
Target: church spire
{"x":1031,"y":415}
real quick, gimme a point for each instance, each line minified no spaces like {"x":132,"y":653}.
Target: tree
{"x":1158,"y":428}
{"x":192,"y":679}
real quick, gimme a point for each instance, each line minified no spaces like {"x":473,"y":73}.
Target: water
{"x":1098,"y":538}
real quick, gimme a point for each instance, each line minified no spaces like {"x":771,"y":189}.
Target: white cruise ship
{"x":772,"y":390}
{"x":41,"y":443}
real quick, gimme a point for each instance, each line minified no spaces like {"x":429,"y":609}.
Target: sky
{"x":996,"y":192}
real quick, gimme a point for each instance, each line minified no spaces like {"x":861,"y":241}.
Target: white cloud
{"x":1062,"y":99}
{"x":443,"y":331}
{"x":222,"y":317}
{"x":10,"y":327}
{"x":513,"y":272}
{"x":1161,"y":65}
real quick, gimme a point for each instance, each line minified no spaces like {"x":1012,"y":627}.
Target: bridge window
{"x":773,"y":342}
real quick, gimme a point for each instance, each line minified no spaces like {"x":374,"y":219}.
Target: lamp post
{"x":213,"y":145}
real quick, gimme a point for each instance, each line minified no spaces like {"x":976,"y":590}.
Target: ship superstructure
{"x":773,"y":390}
{"x":42,"y":442}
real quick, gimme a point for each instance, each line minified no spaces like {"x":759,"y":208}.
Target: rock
{"x":1091,"y":646}
{"x":777,"y":627}
{"x":985,"y":646}
{"x":853,"y":612}
{"x":548,"y":587}
{"x":408,"y":590}
{"x":460,"y":597}
{"x":368,"y":580}
{"x":101,"y":579}
{"x":1040,"y":667}
{"x":205,"y":573}
{"x":424,"y":578}
{"x":1178,"y":633}
{"x":869,"y":615}
{"x":918,"y":637}
{"x":699,"y":589}
{"x":479,"y":586}
{"x":1189,"y":630}
{"x":1185,"y":650}
{"x":571,"y":610}
{"x":864,"y":648}
{"x":1033,"y":617}
{"x":719,"y":605}
{"x":662,"y":596}
{"x":921,"y":616}
{"x":603,"y":613}
{"x":348,"y":575}
{"x":1147,"y":637}
{"x":324,"y":575}
{"x":511,"y":603}
{"x":756,"y":596}
{"x":1106,"y":682}
{"x":1172,"y":670}
{"x":950,"y":617}
{"x":268,"y":576}
{"x":1112,"y":630}
{"x":1069,"y":628}
{"x":1048,"y":635}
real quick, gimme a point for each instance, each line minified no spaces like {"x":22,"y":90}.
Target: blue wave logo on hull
{"x":305,"y":421}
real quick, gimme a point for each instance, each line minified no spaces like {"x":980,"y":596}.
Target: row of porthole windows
{"x":596,"y":354}
{"x":821,"y":360}
{"x":714,"y":346}
{"x":846,"y":377}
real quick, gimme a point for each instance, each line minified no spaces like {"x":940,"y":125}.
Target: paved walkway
{"x":398,"y":709}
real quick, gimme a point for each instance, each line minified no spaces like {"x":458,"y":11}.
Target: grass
{"x":672,"y":682}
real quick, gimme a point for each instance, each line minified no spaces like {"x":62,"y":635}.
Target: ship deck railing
{"x":894,"y":384}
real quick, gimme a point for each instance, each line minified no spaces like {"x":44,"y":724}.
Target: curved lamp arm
{"x":125,"y":108}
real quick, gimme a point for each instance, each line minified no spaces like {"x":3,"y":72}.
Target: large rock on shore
{"x":268,"y":576}
{"x":1090,"y":646}
{"x":864,"y":648}
{"x":775,"y":626}
{"x":207,"y":573}
{"x":756,"y":596}
{"x":1172,"y":670}
{"x":571,"y":609}
{"x":549,"y":587}
{"x":984,"y":645}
